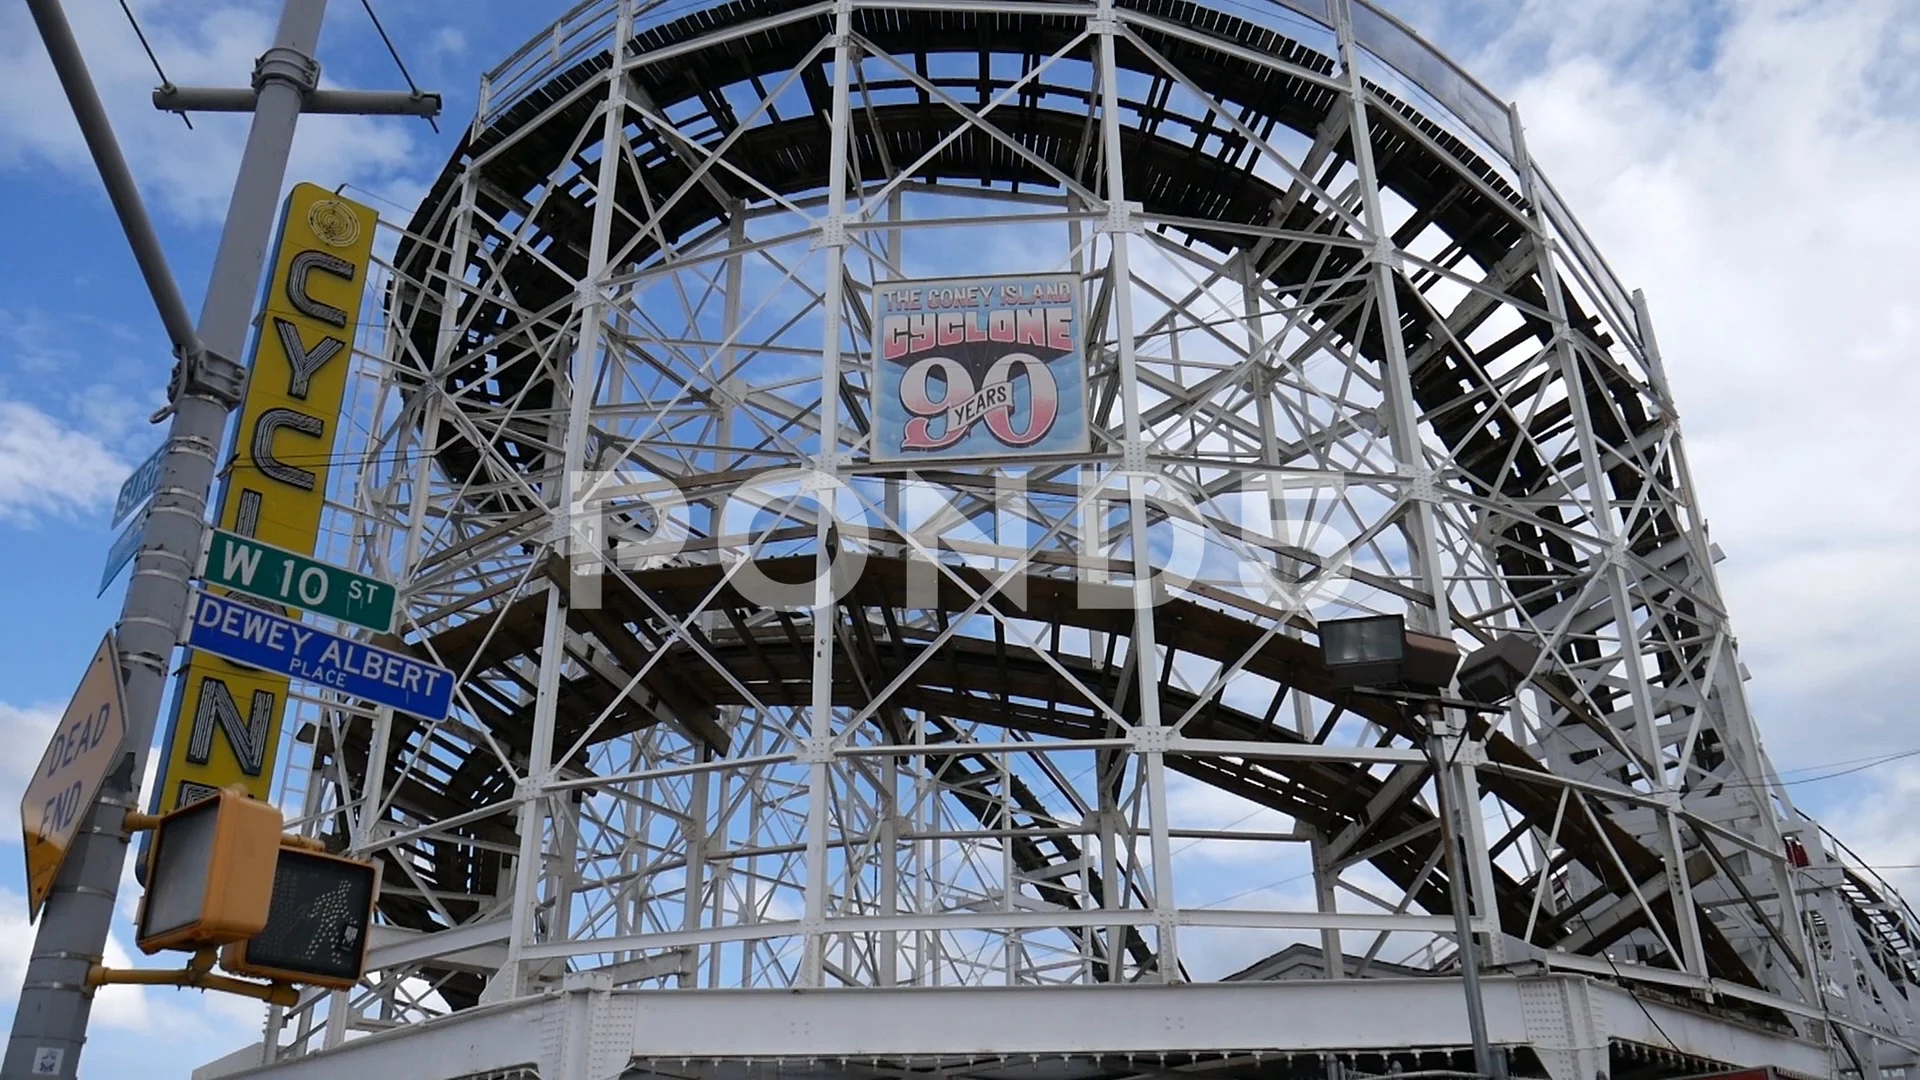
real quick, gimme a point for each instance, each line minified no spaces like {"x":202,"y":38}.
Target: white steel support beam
{"x":1561,"y":1014}
{"x":1615,"y":560}
{"x":825,"y":614}
{"x":1145,"y":650}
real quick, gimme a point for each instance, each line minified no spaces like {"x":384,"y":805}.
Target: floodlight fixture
{"x":1379,"y":651}
{"x":1493,"y":673}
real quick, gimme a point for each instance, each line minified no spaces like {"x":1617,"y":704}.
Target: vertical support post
{"x":528,"y":864}
{"x":730,"y":325}
{"x":50,"y":1018}
{"x":1743,"y":742}
{"x":1403,"y":414}
{"x":562,"y":871}
{"x":590,"y":301}
{"x":365,"y":831}
{"x":1106,"y":812}
{"x":1485,"y":1062}
{"x":695,"y":830}
{"x":1146,"y":651}
{"x":581,"y":530}
{"x":338,"y":1005}
{"x":750,"y":903}
{"x":887,"y":962}
{"x":1473,"y":840}
{"x":926,"y":943}
{"x":373,"y":787}
{"x":1423,"y":543}
{"x":819,"y":728}
{"x":888,"y":945}
{"x":1326,"y":875}
{"x":722,"y":868}
{"x":1614,"y":557}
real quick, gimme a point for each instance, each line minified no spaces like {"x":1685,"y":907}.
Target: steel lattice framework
{"x":1349,"y":353}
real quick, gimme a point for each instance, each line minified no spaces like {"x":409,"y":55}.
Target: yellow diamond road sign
{"x":81,"y":753}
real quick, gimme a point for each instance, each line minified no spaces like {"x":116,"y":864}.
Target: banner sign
{"x":225,"y":727}
{"x":988,"y":367}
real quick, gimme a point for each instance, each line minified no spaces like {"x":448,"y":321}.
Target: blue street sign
{"x":137,"y":488}
{"x":248,"y":635}
{"x":125,"y":547}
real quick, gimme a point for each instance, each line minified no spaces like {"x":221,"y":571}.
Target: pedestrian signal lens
{"x":316,"y":929}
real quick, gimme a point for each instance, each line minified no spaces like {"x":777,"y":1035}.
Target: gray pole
{"x":1484,"y":1061}
{"x":49,"y":1026}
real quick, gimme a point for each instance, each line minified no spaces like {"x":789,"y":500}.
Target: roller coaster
{"x":1055,"y":782}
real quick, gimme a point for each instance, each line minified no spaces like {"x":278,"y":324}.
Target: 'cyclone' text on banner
{"x":984,"y":367}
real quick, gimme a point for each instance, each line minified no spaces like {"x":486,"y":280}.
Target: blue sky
{"x":1750,"y":165}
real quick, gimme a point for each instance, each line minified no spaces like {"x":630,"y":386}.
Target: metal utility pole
{"x":1486,"y":1061}
{"x":50,"y":1023}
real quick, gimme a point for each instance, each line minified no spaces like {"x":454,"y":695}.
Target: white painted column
{"x":1150,"y":736}
{"x":819,"y":728}
{"x":1613,"y":562}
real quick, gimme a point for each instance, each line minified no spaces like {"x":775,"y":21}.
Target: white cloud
{"x":26,"y":730}
{"x":449,"y":40}
{"x":16,"y":945}
{"x":1879,"y":828}
{"x":188,"y":173}
{"x":48,"y":468}
{"x":1751,"y":166}
{"x":123,"y":1007}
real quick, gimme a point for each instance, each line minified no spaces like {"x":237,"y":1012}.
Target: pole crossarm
{"x":185,"y":99}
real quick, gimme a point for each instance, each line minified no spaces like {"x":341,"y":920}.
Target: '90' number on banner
{"x":963,"y":405}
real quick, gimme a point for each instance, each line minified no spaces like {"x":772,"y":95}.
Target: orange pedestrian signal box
{"x":316,"y":931}
{"x":210,"y":873}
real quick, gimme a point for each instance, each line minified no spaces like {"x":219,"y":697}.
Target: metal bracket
{"x":203,"y":374}
{"x":591,"y":1034}
{"x":1151,"y":740}
{"x":1566,"y":1024}
{"x":833,"y":233}
{"x":1466,"y":752}
{"x":1386,"y":253}
{"x":815,"y":749}
{"x":283,"y":64}
{"x":197,"y":974}
{"x":1123,"y":217}
{"x":815,"y":480}
{"x":1617,"y":553}
{"x":1133,"y":456}
{"x":1424,"y":487}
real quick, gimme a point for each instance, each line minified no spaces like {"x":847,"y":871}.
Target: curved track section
{"x":1347,"y":352}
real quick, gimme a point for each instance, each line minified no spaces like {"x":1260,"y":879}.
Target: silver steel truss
{"x":996,"y":788}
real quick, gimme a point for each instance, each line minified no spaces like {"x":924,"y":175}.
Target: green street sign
{"x":246,"y":565}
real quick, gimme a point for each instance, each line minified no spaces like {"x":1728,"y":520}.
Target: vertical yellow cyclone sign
{"x":226,"y":719}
